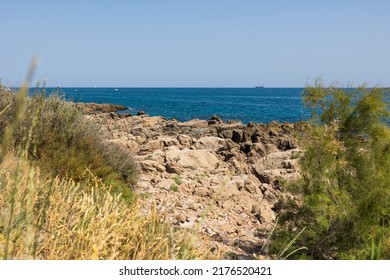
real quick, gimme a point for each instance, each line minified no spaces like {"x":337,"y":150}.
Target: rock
{"x":286,"y":144}
{"x":273,"y":133}
{"x":187,"y":224}
{"x":165,"y":184}
{"x":227,"y":204}
{"x":210,"y":143}
{"x":237,"y":136}
{"x":168,"y":142}
{"x":270,"y":148}
{"x":196,"y":123}
{"x":203,"y":191}
{"x":257,"y":150}
{"x":181,"y":217}
{"x":246,"y":147}
{"x":217,"y":237}
{"x":126,"y":115}
{"x":114,"y":116}
{"x":274,"y":160}
{"x":246,"y":202}
{"x":252,"y":185}
{"x":267,"y":176}
{"x":151,"y":121}
{"x":215,"y":120}
{"x":256,"y":137}
{"x":263,"y":212}
{"x":150,"y":166}
{"x":227,"y":134}
{"x":96,"y":107}
{"x":288,"y":127}
{"x":191,"y":159}
{"x":159,"y":156}
{"x":184,"y":140}
{"x":140,"y":113}
{"x":152,"y":145}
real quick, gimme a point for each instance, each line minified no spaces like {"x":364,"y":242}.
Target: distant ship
{"x":259,"y":87}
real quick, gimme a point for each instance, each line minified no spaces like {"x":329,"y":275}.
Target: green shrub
{"x":178,"y":180}
{"x":174,"y":188}
{"x":345,"y":185}
{"x":63,"y":142}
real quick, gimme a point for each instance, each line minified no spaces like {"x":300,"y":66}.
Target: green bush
{"x":63,"y":142}
{"x":345,"y":185}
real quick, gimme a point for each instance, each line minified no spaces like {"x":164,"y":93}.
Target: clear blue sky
{"x":179,"y":43}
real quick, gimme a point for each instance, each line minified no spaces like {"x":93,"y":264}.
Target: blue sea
{"x":245,"y":104}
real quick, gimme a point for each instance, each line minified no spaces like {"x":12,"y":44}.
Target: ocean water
{"x":246,"y":104}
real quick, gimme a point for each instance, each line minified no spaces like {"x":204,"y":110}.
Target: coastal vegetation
{"x":66,"y":194}
{"x":343,"y":210}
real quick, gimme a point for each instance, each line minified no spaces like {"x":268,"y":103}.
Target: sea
{"x":262,"y":105}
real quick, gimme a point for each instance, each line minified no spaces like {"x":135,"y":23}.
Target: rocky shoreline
{"x":219,"y":179}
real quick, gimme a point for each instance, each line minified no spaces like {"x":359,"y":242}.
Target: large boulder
{"x":210,"y":143}
{"x":151,"y":166}
{"x":181,"y":160}
{"x":276,"y":160}
{"x":195,"y":123}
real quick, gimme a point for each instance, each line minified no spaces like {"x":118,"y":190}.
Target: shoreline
{"x":120,"y":111}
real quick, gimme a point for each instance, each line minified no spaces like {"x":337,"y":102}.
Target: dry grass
{"x":52,"y":218}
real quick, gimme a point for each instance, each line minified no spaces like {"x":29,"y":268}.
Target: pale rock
{"x":168,"y":142}
{"x":187,"y":224}
{"x":151,"y":145}
{"x":191,"y":159}
{"x":203,"y":191}
{"x":263,"y":212}
{"x":210,"y":143}
{"x":270,"y":148}
{"x":257,"y":150}
{"x":151,"y":121}
{"x":151,"y":166}
{"x":184,"y":140}
{"x":195,"y":123}
{"x":159,"y":156}
{"x":246,"y":202}
{"x":165,"y":184}
{"x":227,"y":204}
{"x":181,"y":217}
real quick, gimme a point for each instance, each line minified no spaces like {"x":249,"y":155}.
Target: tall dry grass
{"x":53,"y":218}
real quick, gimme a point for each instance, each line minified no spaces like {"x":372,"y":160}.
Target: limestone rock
{"x":210,"y":143}
{"x":196,"y":123}
{"x":150,"y":166}
{"x":263,"y":212}
{"x":184,"y":140}
{"x":192,"y":159}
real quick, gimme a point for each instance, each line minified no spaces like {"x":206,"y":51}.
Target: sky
{"x":197,"y":43}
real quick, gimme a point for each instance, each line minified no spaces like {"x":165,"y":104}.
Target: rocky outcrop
{"x":99,"y":108}
{"x":220,"y":179}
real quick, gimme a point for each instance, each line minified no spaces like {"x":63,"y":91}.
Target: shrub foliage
{"x":64,"y":142}
{"x":344,"y":192}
